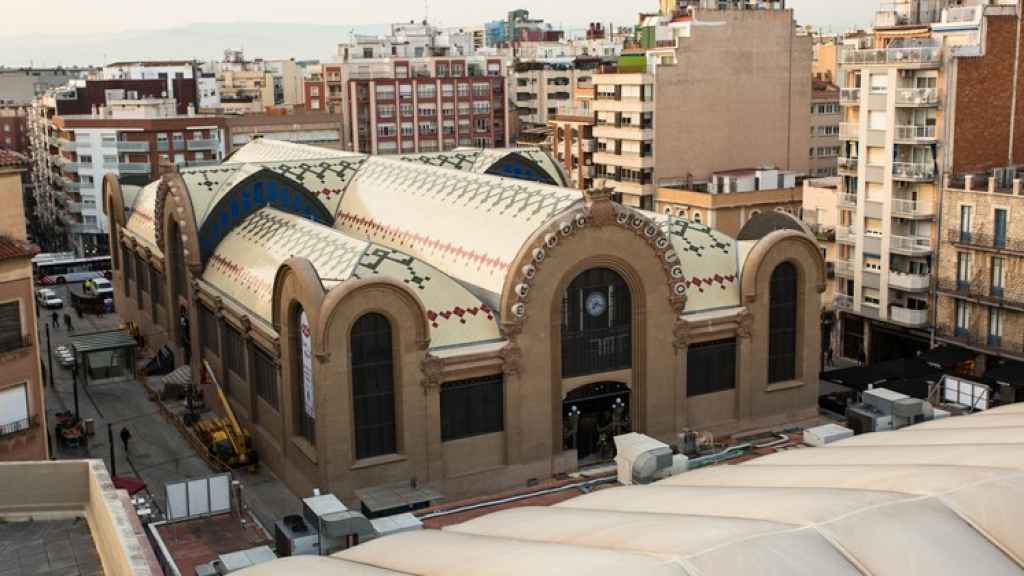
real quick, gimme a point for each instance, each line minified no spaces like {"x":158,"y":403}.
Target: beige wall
{"x":826,"y":62}
{"x":727,"y":213}
{"x":12,"y":216}
{"x":738,"y":98}
{"x":79,"y":488}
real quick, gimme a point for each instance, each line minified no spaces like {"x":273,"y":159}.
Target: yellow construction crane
{"x":224,"y":436}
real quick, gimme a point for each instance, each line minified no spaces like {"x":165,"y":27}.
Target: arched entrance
{"x":592,"y":415}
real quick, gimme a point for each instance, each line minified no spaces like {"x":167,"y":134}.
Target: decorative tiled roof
{"x":11,"y":159}
{"x":469,"y":226}
{"x":141,"y":223}
{"x":270,"y":150}
{"x":12,"y":248}
{"x":247,"y":260}
{"x":709,"y":260}
{"x":479,"y":161}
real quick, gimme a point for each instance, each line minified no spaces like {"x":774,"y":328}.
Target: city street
{"x":157,"y":451}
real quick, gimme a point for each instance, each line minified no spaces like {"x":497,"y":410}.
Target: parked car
{"x":65,"y":356}
{"x":47,"y":298}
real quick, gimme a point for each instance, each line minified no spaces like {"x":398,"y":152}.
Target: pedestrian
{"x":56,"y":320}
{"x":828,"y":357}
{"x":67,"y":322}
{"x":862,"y":357}
{"x":126,"y":435}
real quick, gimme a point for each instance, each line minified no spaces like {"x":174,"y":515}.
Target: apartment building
{"x":22,"y":401}
{"x":14,"y":128}
{"x":667,"y":115}
{"x":820,"y":213}
{"x":540,"y":87}
{"x":926,"y":94}
{"x":427,"y":104}
{"x":325,"y":130}
{"x":824,"y":145}
{"x":980,"y":278}
{"x":252,"y":86}
{"x":19,"y":86}
{"x":126,"y":137}
{"x":729,"y":199}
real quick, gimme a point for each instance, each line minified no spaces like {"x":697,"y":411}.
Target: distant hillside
{"x":199,"y":41}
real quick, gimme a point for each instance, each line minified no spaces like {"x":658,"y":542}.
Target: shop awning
{"x":102,"y":341}
{"x":886,"y":374}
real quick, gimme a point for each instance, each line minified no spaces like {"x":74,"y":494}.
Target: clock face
{"x":596,"y":304}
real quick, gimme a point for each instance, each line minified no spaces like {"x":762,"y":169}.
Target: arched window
{"x":305,"y":391}
{"x":597,"y":317}
{"x":177,"y":263}
{"x":696,"y":217}
{"x":373,"y":387}
{"x":782,"y":323}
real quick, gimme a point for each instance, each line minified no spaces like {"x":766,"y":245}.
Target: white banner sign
{"x":307,"y":365}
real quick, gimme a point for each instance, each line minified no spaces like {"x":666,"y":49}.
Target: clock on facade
{"x":596,"y":304}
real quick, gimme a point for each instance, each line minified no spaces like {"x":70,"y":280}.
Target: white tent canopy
{"x":946,"y":497}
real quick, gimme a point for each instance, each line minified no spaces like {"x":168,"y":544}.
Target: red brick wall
{"x":984,"y":92}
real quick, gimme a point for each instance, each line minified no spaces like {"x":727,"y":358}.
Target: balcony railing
{"x":979,"y":340}
{"x":844,"y":301}
{"x":917,"y":96}
{"x":849,"y":96}
{"x":923,"y":55}
{"x":985,"y":241}
{"x":846,"y":234}
{"x":18,"y":426}
{"x":914,"y":171}
{"x":203,"y":144}
{"x":909,"y":282}
{"x":847,"y":164}
{"x":847,"y":199}
{"x":130,"y":146}
{"x":915,"y":133}
{"x":914,"y":245}
{"x":596,"y":351}
{"x":844,"y":267}
{"x":910,"y":208}
{"x":908,"y":317}
{"x":849,"y":130}
{"x":133,"y":167}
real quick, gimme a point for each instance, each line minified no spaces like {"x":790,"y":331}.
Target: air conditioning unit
{"x":640,"y":458}
{"x":826,"y":434}
{"x":863,"y":419}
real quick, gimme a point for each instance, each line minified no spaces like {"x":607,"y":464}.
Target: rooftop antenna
{"x":426,"y":11}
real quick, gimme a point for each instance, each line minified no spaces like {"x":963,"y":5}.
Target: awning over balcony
{"x":907,"y":375}
{"x":946,"y":357}
{"x":1010,"y":372}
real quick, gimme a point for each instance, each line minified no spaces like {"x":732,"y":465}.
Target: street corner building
{"x":460,"y":319}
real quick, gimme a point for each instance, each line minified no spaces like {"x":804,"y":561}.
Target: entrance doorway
{"x":592,"y":415}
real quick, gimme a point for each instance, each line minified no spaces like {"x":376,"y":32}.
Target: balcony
{"x":133,"y":167}
{"x":914,"y":97}
{"x":844,"y":268}
{"x":67,"y":145}
{"x":848,"y":200}
{"x":911,"y":245}
{"x":846,"y":234}
{"x":909,"y":282}
{"x":196,"y":163}
{"x":129,"y":146}
{"x":927,"y":55}
{"x":70,"y":167}
{"x":75,"y":207}
{"x":849,"y":130}
{"x":843,"y":301}
{"x":163,"y":145}
{"x":849,"y":96}
{"x":915,"y":134}
{"x":847,"y":166}
{"x":908,"y":317}
{"x":911,"y":209}
{"x":986,"y":241}
{"x":203,"y":144}
{"x":913,"y":171}
{"x":81,"y":228}
{"x":589,"y":145}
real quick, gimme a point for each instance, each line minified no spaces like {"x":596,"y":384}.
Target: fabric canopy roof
{"x":943,"y":497}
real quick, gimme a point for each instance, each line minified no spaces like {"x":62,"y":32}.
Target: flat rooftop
{"x":62,"y":547}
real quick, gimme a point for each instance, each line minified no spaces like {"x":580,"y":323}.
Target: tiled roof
{"x":10,"y":159}
{"x":12,"y":248}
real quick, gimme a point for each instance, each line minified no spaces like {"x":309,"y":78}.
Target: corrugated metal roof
{"x":100,"y":341}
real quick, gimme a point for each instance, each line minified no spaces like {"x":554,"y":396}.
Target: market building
{"x":420,"y":318}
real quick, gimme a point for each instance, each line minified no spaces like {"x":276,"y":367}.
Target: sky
{"x":50,"y":36}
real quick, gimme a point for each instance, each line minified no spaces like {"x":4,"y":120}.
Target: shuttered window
{"x":264,"y":376}
{"x":472,"y":407}
{"x":10,"y":326}
{"x":711,"y":367}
